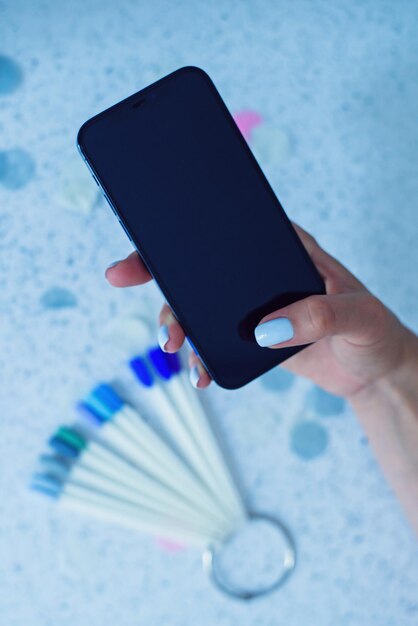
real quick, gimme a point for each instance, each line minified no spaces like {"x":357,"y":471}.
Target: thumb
{"x":356,"y":316}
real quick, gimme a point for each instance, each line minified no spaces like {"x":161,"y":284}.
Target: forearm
{"x":388,"y":413}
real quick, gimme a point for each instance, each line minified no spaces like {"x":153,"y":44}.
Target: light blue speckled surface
{"x":337,"y":87}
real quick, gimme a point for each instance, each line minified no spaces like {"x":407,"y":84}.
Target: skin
{"x":360,"y":350}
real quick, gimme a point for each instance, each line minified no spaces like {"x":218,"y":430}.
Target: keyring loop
{"x":209,"y":562}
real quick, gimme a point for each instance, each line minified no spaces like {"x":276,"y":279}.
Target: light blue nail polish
{"x":163,"y":336}
{"x":194,"y":376}
{"x":113,"y":264}
{"x":273,"y":332}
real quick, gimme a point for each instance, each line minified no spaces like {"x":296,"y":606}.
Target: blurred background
{"x":331,"y":92}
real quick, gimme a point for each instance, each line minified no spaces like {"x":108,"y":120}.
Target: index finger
{"x":128,"y":272}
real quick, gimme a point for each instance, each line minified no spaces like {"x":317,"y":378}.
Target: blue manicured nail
{"x":163,"y":336}
{"x":113,"y":264}
{"x":273,"y":332}
{"x":194,"y":376}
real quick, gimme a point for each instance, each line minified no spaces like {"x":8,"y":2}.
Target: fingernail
{"x":273,"y":332}
{"x":113,"y":264}
{"x":163,"y":336}
{"x":194,"y":376}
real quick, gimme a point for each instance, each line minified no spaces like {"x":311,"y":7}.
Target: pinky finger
{"x":199,"y":377}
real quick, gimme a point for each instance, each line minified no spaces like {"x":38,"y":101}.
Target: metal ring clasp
{"x":209,"y":562}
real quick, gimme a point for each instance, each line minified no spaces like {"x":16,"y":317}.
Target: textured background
{"x":336,"y":85}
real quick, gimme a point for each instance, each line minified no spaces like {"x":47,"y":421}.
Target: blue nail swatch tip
{"x":108,"y":395}
{"x":104,"y":401}
{"x":141,"y":370}
{"x":53,"y":459}
{"x":45,"y":489}
{"x":173,"y":361}
{"x":99,"y":407}
{"x":57,"y":467}
{"x":47,"y":484}
{"x":63,"y":448}
{"x":89,"y":414}
{"x":159,"y":361}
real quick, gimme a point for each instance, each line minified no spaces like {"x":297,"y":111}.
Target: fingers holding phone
{"x":170,"y":335}
{"x":128,"y":272}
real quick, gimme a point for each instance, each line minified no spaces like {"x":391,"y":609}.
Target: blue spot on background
{"x":308,"y":440}
{"x":10,"y":75}
{"x":277,"y":379}
{"x":16,"y":168}
{"x":58,"y":298}
{"x":324,"y":403}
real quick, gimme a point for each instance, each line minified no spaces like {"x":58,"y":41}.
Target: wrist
{"x":387,"y":410}
{"x":400,"y":382}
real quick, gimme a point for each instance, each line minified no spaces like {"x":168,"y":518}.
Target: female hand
{"x":355,"y":338}
{"x":359,"y":350}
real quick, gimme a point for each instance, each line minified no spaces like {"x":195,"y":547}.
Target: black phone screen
{"x":203,"y":217}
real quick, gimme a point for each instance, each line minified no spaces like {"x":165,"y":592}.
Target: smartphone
{"x":194,"y":202}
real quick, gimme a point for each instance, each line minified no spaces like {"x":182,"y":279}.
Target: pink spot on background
{"x":247,"y":121}
{"x":169,"y":546}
